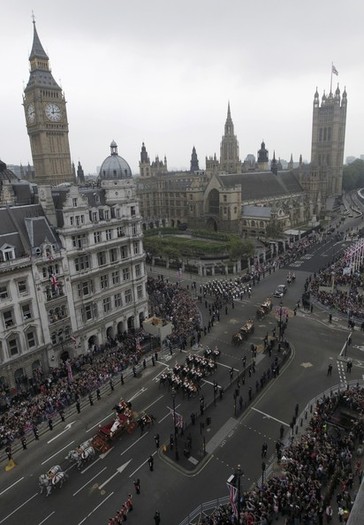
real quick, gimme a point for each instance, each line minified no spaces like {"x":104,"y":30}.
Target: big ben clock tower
{"x":46,"y":119}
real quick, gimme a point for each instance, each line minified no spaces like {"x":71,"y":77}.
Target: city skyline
{"x":163,"y":75}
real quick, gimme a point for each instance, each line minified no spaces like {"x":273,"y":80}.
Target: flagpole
{"x":331,"y":77}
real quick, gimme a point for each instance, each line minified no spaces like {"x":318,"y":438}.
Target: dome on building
{"x":114,"y":167}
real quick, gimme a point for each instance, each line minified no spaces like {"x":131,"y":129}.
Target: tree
{"x":273,"y":230}
{"x":239,"y":248}
{"x":353,"y":175}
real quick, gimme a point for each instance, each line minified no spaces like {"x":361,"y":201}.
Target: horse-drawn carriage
{"x":264,"y":308}
{"x":125,"y":420}
{"x":245,"y":330}
{"x":55,"y":477}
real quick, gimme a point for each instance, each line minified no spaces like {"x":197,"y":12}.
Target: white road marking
{"x":89,"y":481}
{"x":15,"y":482}
{"x":91,"y":465}
{"x":156,"y":401}
{"x":101,"y":420}
{"x":45,"y":519}
{"x":104,"y":454}
{"x":141,"y":391}
{"x":55,"y":454}
{"x":18,"y":508}
{"x":99,"y":505}
{"x":67,"y":427}
{"x":135,"y":442}
{"x":169,"y":413}
{"x":140,"y":466}
{"x":270,"y":417}
{"x":119,"y":470}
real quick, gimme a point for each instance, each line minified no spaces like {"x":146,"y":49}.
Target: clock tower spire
{"x":46,"y":120}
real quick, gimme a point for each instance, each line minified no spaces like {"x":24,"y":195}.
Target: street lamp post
{"x":239,"y":473}
{"x":280,"y":320}
{"x":174,"y":424}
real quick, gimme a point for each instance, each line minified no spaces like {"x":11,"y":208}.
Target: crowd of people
{"x":320,"y":471}
{"x":49,"y":395}
{"x":338,"y":289}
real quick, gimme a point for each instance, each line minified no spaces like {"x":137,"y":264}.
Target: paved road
{"x":92,"y":496}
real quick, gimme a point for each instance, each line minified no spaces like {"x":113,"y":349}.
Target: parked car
{"x":280,"y":291}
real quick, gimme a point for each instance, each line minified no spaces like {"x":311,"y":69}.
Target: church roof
{"x":260,"y":212}
{"x":258,"y":185}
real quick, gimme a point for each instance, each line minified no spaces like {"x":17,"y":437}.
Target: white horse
{"x":55,"y":477}
{"x":81,"y":454}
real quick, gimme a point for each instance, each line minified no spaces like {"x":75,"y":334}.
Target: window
{"x":115,"y":277}
{"x":135,"y":229}
{"x":225,"y":198}
{"x":22,"y":287}
{"x":106,"y":303}
{"x":104,"y":282}
{"x":49,"y":270}
{"x":106,"y":215}
{"x":132,"y":211}
{"x":138,"y":271}
{"x":101,"y":258}
{"x":108,"y":234}
{"x":89,"y":312}
{"x":120,"y":231}
{"x":3,"y":291}
{"x":97,"y":237}
{"x":94,"y":216}
{"x":82,"y":263}
{"x":72,"y":220}
{"x":128,"y":296}
{"x":117,"y":300}
{"x":31,"y":339}
{"x":7,"y":253}
{"x":85,"y":288}
{"x":124,"y":252}
{"x":140,"y":291}
{"x":8,"y":318}
{"x":26,"y":311}
{"x":13,"y":347}
{"x":78,"y":241}
{"x":136,"y":248}
{"x":74,"y":203}
{"x":126,"y":274}
{"x":113,"y":255}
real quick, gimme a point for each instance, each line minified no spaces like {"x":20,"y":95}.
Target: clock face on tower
{"x":53,"y":112}
{"x":31,"y":113}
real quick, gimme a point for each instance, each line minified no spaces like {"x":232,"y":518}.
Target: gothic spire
{"x":37,"y":48}
{"x":229,"y":126}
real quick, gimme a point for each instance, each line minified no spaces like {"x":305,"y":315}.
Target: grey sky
{"x":163,"y":71}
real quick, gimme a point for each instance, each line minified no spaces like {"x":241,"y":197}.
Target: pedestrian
{"x":311,"y":309}
{"x":329,"y":370}
{"x":24,"y":442}
{"x":231,"y":373}
{"x":193,"y":418}
{"x":156,"y":439}
{"x":111,"y":385}
{"x":137,"y":485}
{"x":8,"y":452}
{"x":50,"y":424}
{"x":157,"y":517}
{"x":330,"y":318}
{"x":134,"y":371}
{"x":151,"y":463}
{"x":121,"y":378}
{"x":329,"y":512}
{"x":153,"y":361}
{"x":171,"y":441}
{"x":61,"y":413}
{"x":35,"y":432}
{"x":78,"y":407}
{"x":250,"y":393}
{"x":264,"y":450}
{"x":90,"y":399}
{"x":98,"y":394}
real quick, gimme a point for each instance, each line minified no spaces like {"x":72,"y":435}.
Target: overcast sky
{"x":162,"y":72}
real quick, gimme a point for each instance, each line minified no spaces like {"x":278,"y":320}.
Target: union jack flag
{"x":233,"y":496}
{"x":54,"y":281}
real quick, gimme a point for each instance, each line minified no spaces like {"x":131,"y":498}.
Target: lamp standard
{"x":174,"y":424}
{"x":280,"y":320}
{"x":239,"y":473}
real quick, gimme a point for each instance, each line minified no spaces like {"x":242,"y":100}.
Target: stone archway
{"x":120,"y":328}
{"x":211,"y":224}
{"x":65,"y":355}
{"x":131,"y":324}
{"x":110,"y":333}
{"x":92,"y":341}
